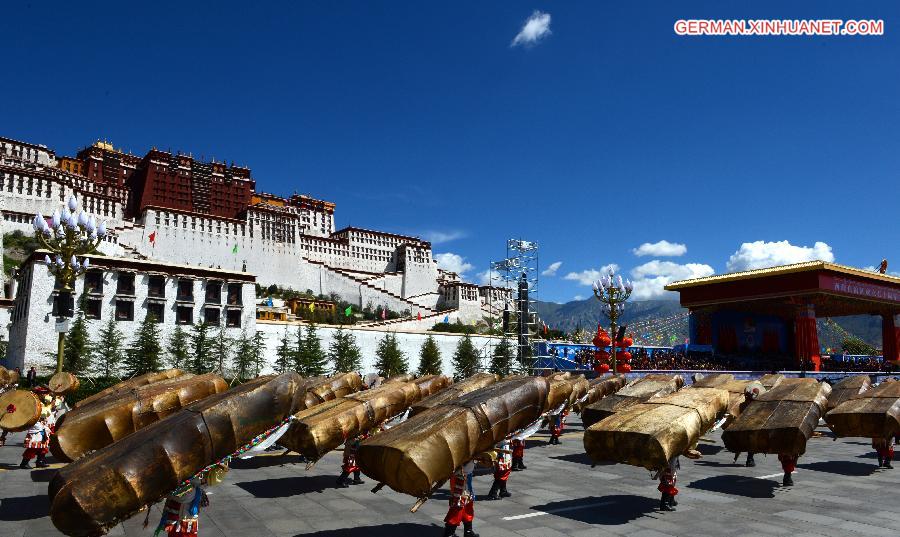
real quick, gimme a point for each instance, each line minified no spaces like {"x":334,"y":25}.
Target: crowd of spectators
{"x":868,"y":363}
{"x":669,"y":359}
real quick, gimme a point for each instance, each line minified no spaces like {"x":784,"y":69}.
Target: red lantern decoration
{"x":623,"y":368}
{"x":624,"y":356}
{"x":627,"y":342}
{"x":603,"y":368}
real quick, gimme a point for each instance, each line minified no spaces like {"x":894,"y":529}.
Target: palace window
{"x":124,"y":310}
{"x":92,"y":308}
{"x":93,"y":282}
{"x":125,"y":284}
{"x":233,"y":319}
{"x":234,"y":294}
{"x":184,"y":315}
{"x":185,"y":290}
{"x":213,"y":292}
{"x":211,"y":316}
{"x":157,"y":311}
{"x":156,"y":286}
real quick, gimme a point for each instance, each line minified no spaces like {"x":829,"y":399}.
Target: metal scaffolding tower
{"x":518,"y":273}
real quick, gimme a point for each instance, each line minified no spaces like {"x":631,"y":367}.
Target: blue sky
{"x":603,"y":134}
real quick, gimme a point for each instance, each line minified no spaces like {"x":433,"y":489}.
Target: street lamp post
{"x":613,"y":291}
{"x":70,"y":233}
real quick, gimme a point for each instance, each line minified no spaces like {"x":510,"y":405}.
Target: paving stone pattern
{"x":838,"y":491}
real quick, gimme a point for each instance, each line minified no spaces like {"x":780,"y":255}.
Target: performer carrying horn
{"x":788,"y":464}
{"x":350,"y":466}
{"x":751,"y":392}
{"x":181,"y":512}
{"x":518,"y":455}
{"x":462,"y":502}
{"x":884,"y":447}
{"x":502,"y":468}
{"x":556,"y":427}
{"x":667,"y":477}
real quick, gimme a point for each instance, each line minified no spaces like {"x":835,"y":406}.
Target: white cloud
{"x":761,"y":254}
{"x":551,"y":270}
{"x":535,"y":28}
{"x":440,"y":237}
{"x":661,"y":249}
{"x":453,"y":262}
{"x":651,"y":278}
{"x":577,"y":297}
{"x":589,"y":276}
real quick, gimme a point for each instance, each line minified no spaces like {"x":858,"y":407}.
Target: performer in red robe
{"x":37,"y":444}
{"x":667,"y":477}
{"x":884,"y":447}
{"x":462,"y":502}
{"x":350,"y":466}
{"x":181,"y":512}
{"x":788,"y":464}
{"x":518,"y":455}
{"x":502,"y":469}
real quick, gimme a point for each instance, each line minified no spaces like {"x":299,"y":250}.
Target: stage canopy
{"x":774,"y":309}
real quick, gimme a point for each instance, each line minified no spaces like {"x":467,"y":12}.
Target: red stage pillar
{"x":806,"y":337}
{"x":889,"y":336}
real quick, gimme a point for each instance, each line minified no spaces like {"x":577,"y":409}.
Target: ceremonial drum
{"x":19,"y":410}
{"x":63,"y":383}
{"x":8,"y":377}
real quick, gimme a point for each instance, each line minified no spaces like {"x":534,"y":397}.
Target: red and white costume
{"x":503,"y":466}
{"x":181,"y":514}
{"x":667,"y":478}
{"x":350,"y":449}
{"x":37,"y":440}
{"x":788,"y":462}
{"x":462,"y":497}
{"x":884,"y":447}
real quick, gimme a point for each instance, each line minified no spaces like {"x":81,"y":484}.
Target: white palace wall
{"x":367,"y":339}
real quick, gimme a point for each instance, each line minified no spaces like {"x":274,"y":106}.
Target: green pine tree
{"x":244,"y":356}
{"x":108,"y":350}
{"x":344,"y":353}
{"x":390,"y":359}
{"x":221,"y":350}
{"x":284,"y":353}
{"x":429,"y":358}
{"x":502,"y":359}
{"x":466,"y":360}
{"x":179,"y":349}
{"x":200,"y":349}
{"x":259,"y":349}
{"x":77,"y":352}
{"x":310,"y":358}
{"x":145,"y":353}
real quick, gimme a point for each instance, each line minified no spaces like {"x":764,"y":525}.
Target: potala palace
{"x":204,"y":226}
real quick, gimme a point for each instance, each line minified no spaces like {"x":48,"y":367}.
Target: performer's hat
{"x":216,"y":474}
{"x":754,"y":389}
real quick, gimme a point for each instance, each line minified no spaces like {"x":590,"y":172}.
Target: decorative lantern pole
{"x":613,"y":291}
{"x":70,"y":233}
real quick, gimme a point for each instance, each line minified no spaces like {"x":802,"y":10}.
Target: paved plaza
{"x":838,"y":492}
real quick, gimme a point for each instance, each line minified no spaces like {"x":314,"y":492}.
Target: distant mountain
{"x":664,"y":322}
{"x":653,"y":322}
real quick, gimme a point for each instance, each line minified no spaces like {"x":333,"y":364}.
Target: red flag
{"x":152,"y":238}
{"x":546,"y":328}
{"x":383,"y":313}
{"x":419,"y":316}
